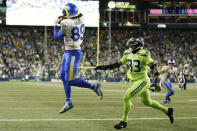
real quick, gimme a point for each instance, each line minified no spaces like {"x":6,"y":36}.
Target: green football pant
{"x":140,"y":88}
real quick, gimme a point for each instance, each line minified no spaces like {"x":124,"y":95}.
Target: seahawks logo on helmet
{"x":70,"y":10}
{"x":135,"y":43}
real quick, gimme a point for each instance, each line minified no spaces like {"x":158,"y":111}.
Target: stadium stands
{"x":24,"y":54}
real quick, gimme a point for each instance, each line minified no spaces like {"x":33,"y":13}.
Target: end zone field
{"x":26,"y":106}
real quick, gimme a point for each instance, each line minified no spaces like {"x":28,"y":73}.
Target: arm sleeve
{"x":113,"y":66}
{"x":58,"y":35}
{"x":148,"y":59}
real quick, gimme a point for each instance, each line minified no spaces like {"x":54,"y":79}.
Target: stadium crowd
{"x":25,"y":55}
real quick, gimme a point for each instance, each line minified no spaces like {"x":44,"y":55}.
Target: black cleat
{"x":120,"y":125}
{"x":170,"y":115}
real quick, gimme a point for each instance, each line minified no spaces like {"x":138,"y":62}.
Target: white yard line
{"x":192,"y":100}
{"x":50,"y":101}
{"x":48,"y":108}
{"x":105,"y":119}
{"x":83,"y":100}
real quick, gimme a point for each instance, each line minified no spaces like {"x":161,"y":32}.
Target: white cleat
{"x":67,"y":106}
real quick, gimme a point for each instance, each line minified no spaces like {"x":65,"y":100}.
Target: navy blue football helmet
{"x":135,"y":43}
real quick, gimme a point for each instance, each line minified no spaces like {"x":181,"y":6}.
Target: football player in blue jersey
{"x":72,"y":30}
{"x":166,"y":72}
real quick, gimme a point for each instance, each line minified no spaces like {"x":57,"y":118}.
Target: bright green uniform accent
{"x":138,"y":64}
{"x":129,"y":76}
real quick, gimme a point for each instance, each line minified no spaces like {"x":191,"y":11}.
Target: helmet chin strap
{"x":135,"y":51}
{"x":131,"y":49}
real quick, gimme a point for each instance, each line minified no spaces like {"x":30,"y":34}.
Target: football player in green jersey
{"x":139,"y":59}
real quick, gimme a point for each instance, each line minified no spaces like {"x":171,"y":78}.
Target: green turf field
{"x":35,"y":106}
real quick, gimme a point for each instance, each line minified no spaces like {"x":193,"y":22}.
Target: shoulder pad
{"x":144,"y":53}
{"x":127,"y":52}
{"x":66,"y":23}
{"x":165,"y":68}
{"x":148,"y":52}
{"x":63,"y":24}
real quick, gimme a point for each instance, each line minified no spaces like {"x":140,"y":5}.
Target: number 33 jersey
{"x":73,"y":29}
{"x":138,"y":63}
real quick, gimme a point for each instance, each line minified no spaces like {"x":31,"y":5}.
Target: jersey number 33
{"x":135,"y":65}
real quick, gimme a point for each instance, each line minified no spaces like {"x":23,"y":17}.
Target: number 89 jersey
{"x":73,"y":29}
{"x":138,"y":63}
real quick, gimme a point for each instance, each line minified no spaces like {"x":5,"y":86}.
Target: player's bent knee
{"x":172,"y":91}
{"x":126,"y":98}
{"x":147,"y":103}
{"x":62,"y":76}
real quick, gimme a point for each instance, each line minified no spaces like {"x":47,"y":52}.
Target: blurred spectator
{"x":24,"y":54}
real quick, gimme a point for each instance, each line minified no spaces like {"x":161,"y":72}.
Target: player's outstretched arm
{"x":58,"y":35}
{"x":109,"y":67}
{"x":153,"y":67}
{"x":162,"y":71}
{"x":177,"y":79}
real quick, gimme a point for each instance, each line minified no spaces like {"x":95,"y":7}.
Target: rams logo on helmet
{"x":69,"y":10}
{"x":171,"y":61}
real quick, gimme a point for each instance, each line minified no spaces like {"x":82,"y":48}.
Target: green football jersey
{"x":138,"y":63}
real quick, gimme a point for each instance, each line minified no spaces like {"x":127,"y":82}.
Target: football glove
{"x":100,"y":67}
{"x":155,"y":86}
{"x":110,"y":66}
{"x":180,"y":86}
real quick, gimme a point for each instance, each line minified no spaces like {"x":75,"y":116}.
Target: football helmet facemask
{"x":135,"y":43}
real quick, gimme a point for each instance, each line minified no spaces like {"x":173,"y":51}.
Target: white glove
{"x":58,"y":20}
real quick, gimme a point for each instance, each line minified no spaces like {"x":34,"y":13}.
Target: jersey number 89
{"x":77,"y":33}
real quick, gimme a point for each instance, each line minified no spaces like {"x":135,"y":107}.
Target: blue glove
{"x":180,"y":85}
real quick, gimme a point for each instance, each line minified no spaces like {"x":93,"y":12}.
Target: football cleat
{"x":170,"y":115}
{"x":67,"y":106}
{"x":120,"y":125}
{"x":97,"y":89}
{"x":167,"y":101}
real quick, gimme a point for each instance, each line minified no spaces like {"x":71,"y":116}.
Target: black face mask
{"x":135,"y":51}
{"x":135,"y":48}
{"x":135,"y":45}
